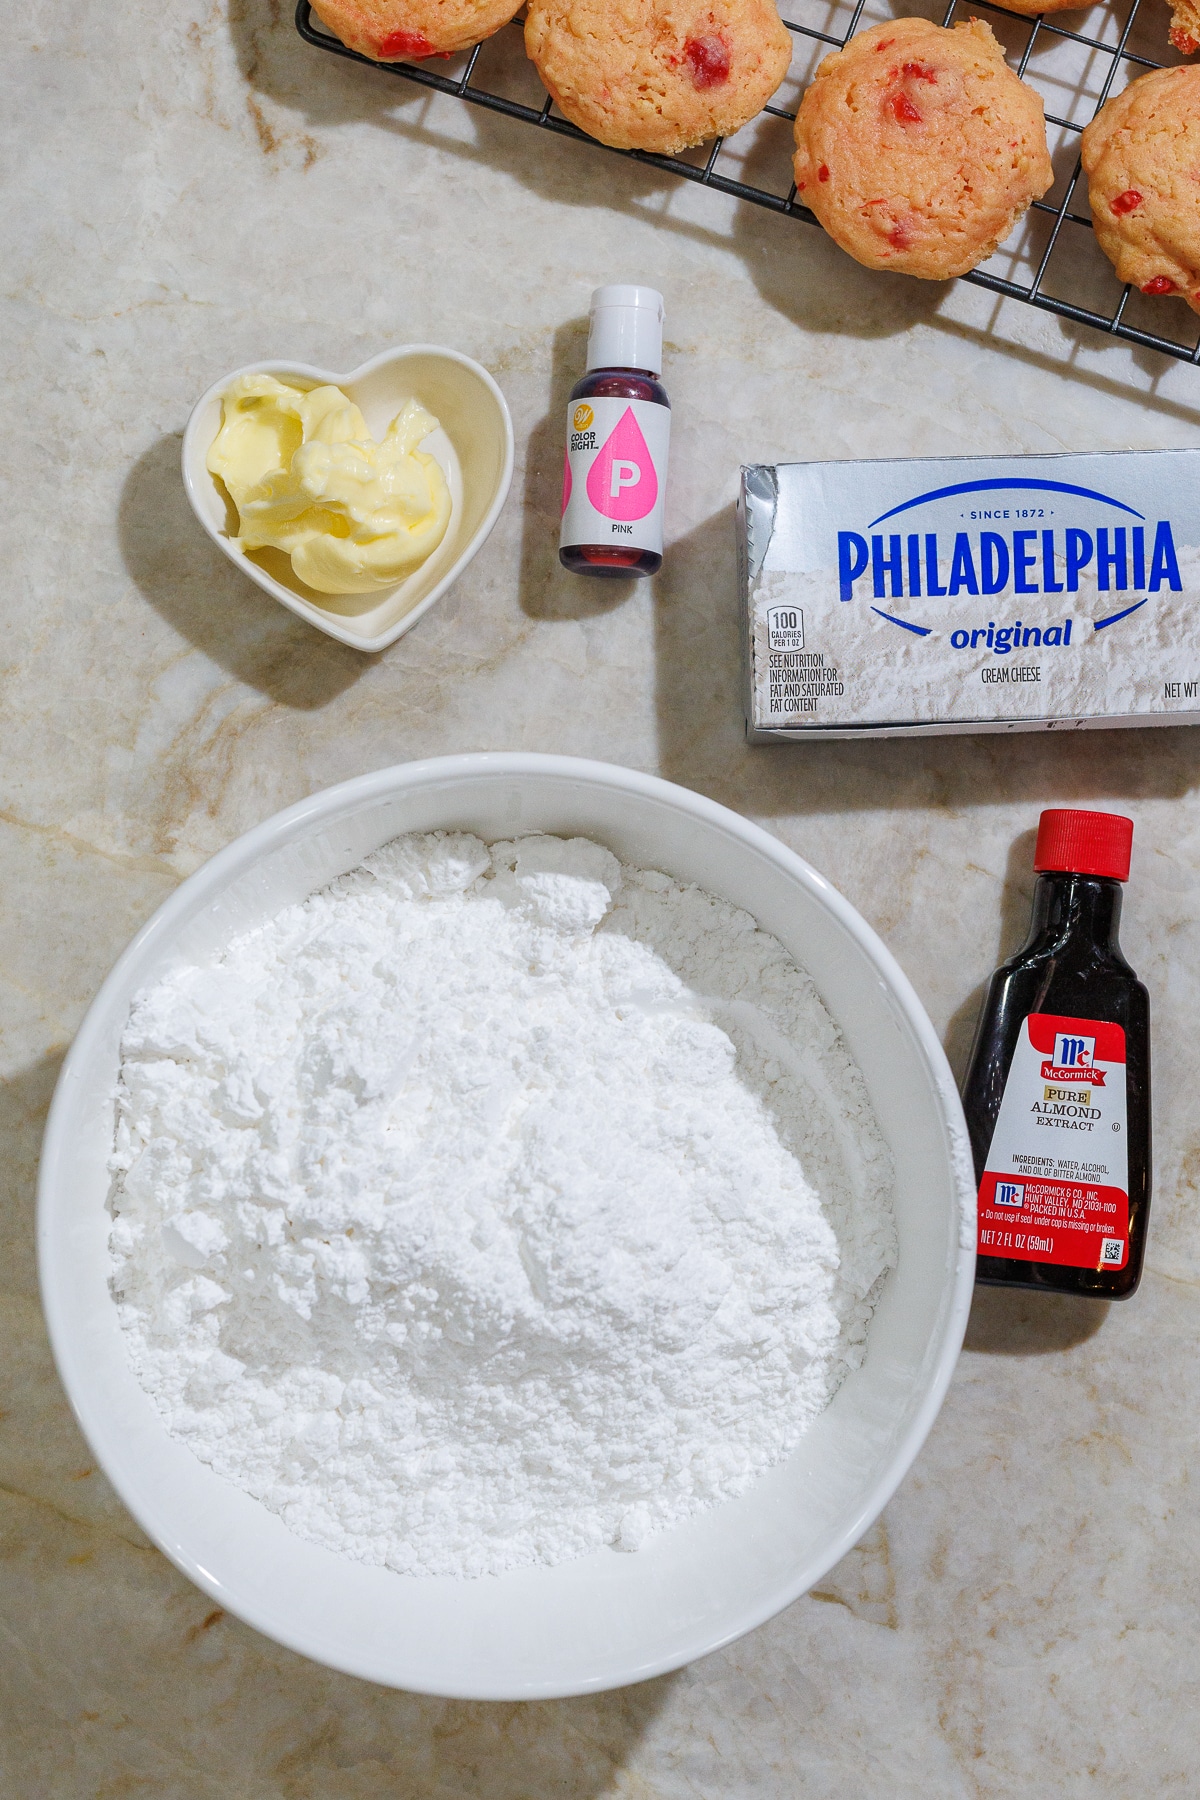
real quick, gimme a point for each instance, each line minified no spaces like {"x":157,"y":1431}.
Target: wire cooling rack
{"x":1053,"y":261}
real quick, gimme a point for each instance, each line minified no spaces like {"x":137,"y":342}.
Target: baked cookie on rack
{"x":658,"y":75}
{"x":918,"y":149}
{"x":1029,"y":9}
{"x":1185,"y":26}
{"x":1141,"y":154}
{"x":410,"y":30}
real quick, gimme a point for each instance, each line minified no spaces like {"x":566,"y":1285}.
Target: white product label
{"x":615,"y":472}
{"x":1008,"y":592}
{"x":1055,"y":1186}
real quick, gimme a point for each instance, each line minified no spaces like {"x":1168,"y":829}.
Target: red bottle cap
{"x":1085,"y":843}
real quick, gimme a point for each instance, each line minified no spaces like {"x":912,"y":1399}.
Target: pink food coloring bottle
{"x":618,"y":434}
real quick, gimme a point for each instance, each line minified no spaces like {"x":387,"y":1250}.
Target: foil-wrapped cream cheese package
{"x":970,"y":594}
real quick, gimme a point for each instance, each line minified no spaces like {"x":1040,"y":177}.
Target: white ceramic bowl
{"x":474,"y":445}
{"x":607,"y":1618}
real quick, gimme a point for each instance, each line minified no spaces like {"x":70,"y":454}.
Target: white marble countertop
{"x":188,"y":188}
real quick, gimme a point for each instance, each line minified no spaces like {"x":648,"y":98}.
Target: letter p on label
{"x":852,"y":561}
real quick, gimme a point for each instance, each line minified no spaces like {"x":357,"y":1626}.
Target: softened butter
{"x":307,"y":478}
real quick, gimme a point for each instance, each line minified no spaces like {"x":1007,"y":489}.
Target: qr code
{"x":1112,"y":1250}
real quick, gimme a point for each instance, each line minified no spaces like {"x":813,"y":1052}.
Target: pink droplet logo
{"x":622,"y":483}
{"x":566,"y":479}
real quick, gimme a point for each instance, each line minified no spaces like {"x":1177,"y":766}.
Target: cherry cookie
{"x":918,"y":149}
{"x":1029,"y":9}
{"x":1185,"y":26}
{"x":658,"y":75}
{"x":410,"y":30}
{"x":1142,"y":157}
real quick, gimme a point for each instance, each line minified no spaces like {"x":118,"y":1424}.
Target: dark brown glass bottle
{"x":618,"y":431}
{"x":1057,"y":1091}
{"x":615,"y":559}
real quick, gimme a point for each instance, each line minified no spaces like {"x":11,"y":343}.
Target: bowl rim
{"x":239,"y":856}
{"x":192,"y":455}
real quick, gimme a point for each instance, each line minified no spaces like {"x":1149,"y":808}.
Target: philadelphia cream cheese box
{"x":970,"y":594}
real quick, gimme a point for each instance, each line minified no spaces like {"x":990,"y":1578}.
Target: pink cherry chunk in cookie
{"x":409,"y":43}
{"x":707,"y":59}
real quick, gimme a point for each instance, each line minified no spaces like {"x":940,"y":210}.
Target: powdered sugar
{"x":491,"y":1207}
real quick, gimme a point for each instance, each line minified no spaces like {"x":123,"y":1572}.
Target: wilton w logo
{"x":1009,"y":1193}
{"x":1073,"y":1052}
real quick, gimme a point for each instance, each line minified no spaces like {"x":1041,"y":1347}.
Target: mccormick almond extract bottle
{"x":1057,"y":1093}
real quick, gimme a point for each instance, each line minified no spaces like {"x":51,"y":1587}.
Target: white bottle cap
{"x":625,"y":329}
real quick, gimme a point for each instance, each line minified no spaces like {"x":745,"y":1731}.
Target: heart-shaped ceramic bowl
{"x":473,"y":444}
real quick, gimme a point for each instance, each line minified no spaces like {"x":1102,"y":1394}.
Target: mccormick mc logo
{"x":1009,"y":1193}
{"x":1072,"y":1060}
{"x":1043,"y":558}
{"x":1074,"y":1052}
